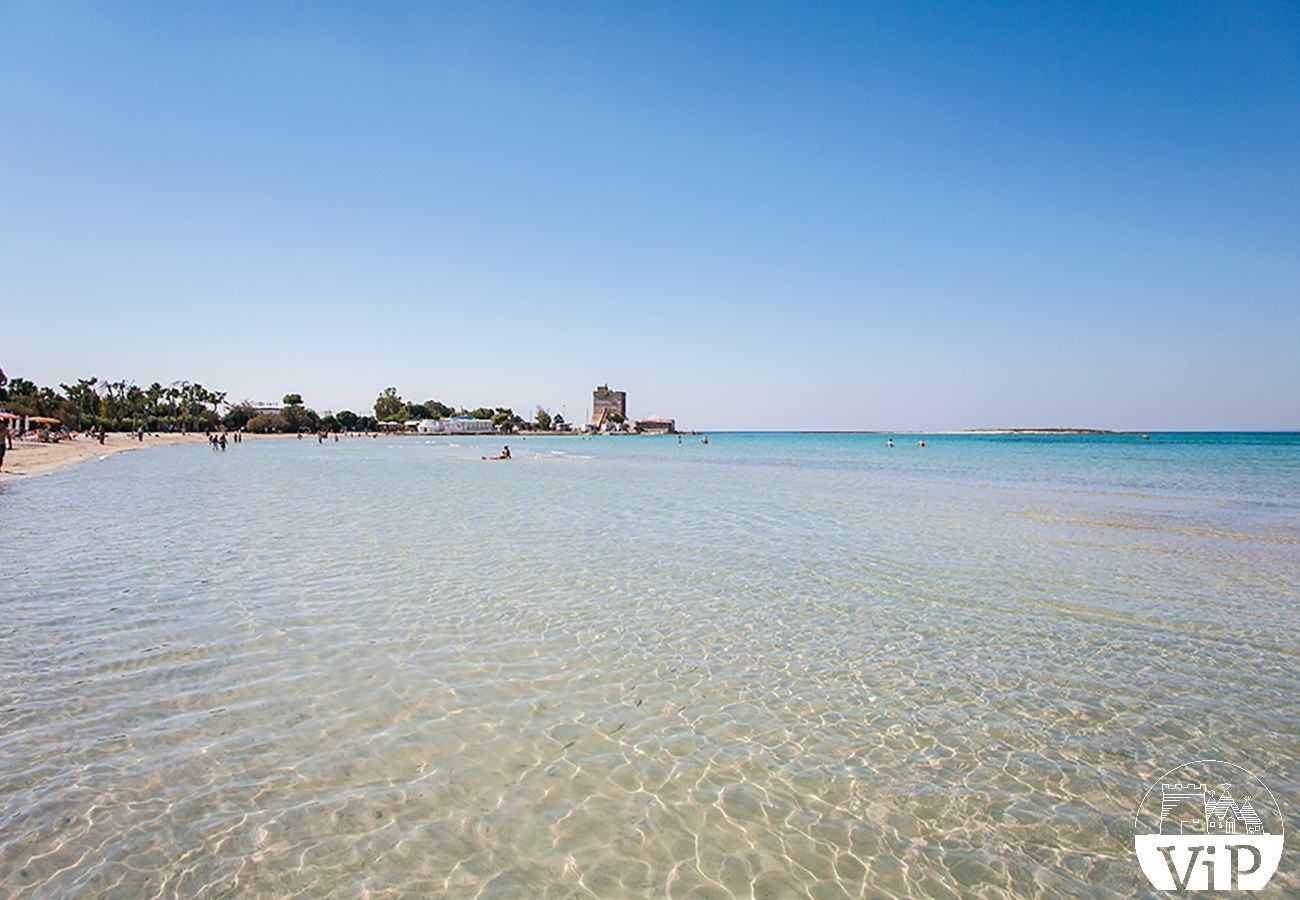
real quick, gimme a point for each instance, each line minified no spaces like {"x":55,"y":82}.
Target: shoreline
{"x":28,"y":459}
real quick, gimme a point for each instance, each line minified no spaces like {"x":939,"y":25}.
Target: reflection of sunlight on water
{"x":679,"y":670}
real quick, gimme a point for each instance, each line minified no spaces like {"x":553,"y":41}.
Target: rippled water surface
{"x":780,"y":665}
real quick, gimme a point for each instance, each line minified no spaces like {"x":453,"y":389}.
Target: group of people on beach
{"x":218,"y":441}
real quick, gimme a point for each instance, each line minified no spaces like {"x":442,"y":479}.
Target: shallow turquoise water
{"x":785,"y":664}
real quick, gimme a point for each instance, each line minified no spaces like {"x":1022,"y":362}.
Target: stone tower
{"x":605,"y":403}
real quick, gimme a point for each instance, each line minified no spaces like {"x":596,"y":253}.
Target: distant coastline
{"x":939,"y":431}
{"x":1043,"y":431}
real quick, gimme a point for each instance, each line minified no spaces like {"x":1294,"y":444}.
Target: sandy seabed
{"x":32,"y":458}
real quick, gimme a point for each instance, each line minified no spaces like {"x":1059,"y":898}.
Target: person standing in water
{"x":889,"y":443}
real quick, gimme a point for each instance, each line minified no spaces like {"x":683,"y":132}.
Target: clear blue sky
{"x":807,"y":215}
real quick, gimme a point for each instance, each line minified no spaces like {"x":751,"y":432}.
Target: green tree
{"x":299,"y":418}
{"x":216,"y":398}
{"x":82,"y":401}
{"x":238,"y":416}
{"x":152,"y":398}
{"x":21,"y":387}
{"x":265,"y":423}
{"x":543,"y":419}
{"x":135,"y":400}
{"x":389,"y":406}
{"x":292,"y":400}
{"x":347,"y":418}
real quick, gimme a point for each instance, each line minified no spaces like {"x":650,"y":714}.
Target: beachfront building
{"x":455,"y":425}
{"x":470,"y":425}
{"x":607,"y":407}
{"x":656,"y":426}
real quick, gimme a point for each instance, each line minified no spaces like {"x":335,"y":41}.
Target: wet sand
{"x":31,"y":458}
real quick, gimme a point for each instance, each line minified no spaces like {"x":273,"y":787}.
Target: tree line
{"x":116,"y":405}
{"x":390,"y":407}
{"x":92,"y":403}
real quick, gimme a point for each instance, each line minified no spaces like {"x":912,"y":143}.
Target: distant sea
{"x":779,"y":664}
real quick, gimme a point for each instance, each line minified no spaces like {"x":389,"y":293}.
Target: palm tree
{"x":152,"y":395}
{"x":135,"y":399}
{"x":173,"y":394}
{"x":80,"y":397}
{"x":216,"y":398}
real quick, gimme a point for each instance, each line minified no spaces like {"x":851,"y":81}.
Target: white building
{"x":456,"y":425}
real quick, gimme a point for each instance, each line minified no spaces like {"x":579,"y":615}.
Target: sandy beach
{"x":31,"y":458}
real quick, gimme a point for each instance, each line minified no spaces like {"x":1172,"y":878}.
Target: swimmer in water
{"x":889,"y":443}
{"x":505,"y":454}
{"x":921,"y":442}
